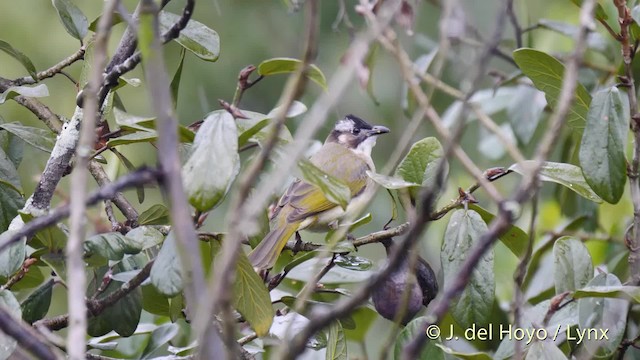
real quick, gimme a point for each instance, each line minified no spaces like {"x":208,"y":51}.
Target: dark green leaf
{"x":36,"y":305}
{"x":603,"y":313}
{"x":547,"y":74}
{"x":11,"y":199}
{"x":160,"y":336}
{"x":364,"y":317}
{"x":603,"y":144}
{"x":138,"y":137}
{"x":129,"y":165}
{"x":175,"y":82}
{"x":10,"y":304}
{"x":166,"y":272}
{"x":564,"y":174}
{"x":334,"y":189}
{"x":390,"y":182}
{"x":39,"y":138}
{"x":288,"y":65}
{"x":336,"y":343}
{"x":475,"y":302}
{"x":154,"y":302}
{"x":110,"y":246}
{"x":514,"y":238}
{"x":600,"y":13}
{"x":573,"y":267}
{"x":251,"y":297}
{"x":217,"y":139}
{"x":544,"y":350}
{"x":115,"y":20}
{"x":202,"y":41}
{"x":353,"y":262}
{"x":32,"y":279}
{"x":157,"y":214}
{"x":72,"y":18}
{"x":12,"y":257}
{"x":52,"y":237}
{"x":176,"y":308}
{"x":411,"y":331}
{"x":124,"y":315}
{"x":12,"y":146}
{"x":37,"y":91}
{"x":22,"y":58}
{"x":421,"y":163}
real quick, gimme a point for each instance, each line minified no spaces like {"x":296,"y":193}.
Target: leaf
{"x":145,"y":125}
{"x":39,"y":138}
{"x":566,"y":175}
{"x":353,"y":262}
{"x":631,"y":293}
{"x":421,"y":163}
{"x":72,"y":18}
{"x":599,"y":313}
{"x":595,"y":40}
{"x":336,"y":343}
{"x":11,"y":199}
{"x":10,"y":304}
{"x":18,"y":55}
{"x":547,"y":74}
{"x":544,"y":350}
{"x":157,"y":214}
{"x":160,"y":336}
{"x":154,"y":302}
{"x":514,"y":238}
{"x":257,"y":125}
{"x":334,"y":189}
{"x":37,"y":91}
{"x":36,"y":305}
{"x":600,"y":13}
{"x":175,"y":82}
{"x":603,"y":144}
{"x":363,"y":317}
{"x":251,"y":297}
{"x":525,"y":111}
{"x":390,"y":182}
{"x":429,"y":352}
{"x":288,"y":65}
{"x":133,"y":138}
{"x":573,"y":267}
{"x":109,"y":246}
{"x":12,"y":257}
{"x":129,"y":165}
{"x":467,"y":356}
{"x":474,"y":304}
{"x":196,"y":37}
{"x":12,"y":146}
{"x":166,"y":272}
{"x":206,"y":182}
{"x":123,"y":316}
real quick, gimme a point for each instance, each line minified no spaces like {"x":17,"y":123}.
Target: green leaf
{"x":109,"y":246}
{"x":138,"y":137}
{"x":525,"y":111}
{"x":603,"y":144}
{"x":600,"y":13}
{"x":72,"y":18}
{"x":514,"y":238}
{"x":467,"y":356}
{"x":12,"y":146}
{"x":547,"y":74}
{"x":37,"y":91}
{"x":251,"y":297}
{"x":175,"y":82}
{"x":573,"y":267}
{"x":115,"y":20}
{"x":129,"y":165}
{"x":10,"y":304}
{"x":39,"y":138}
{"x":288,"y":65}
{"x":599,"y":313}
{"x":544,"y":350}
{"x":12,"y":257}
{"x":22,"y":58}
{"x":475,"y":302}
{"x":336,"y":343}
{"x":166,"y":272}
{"x":566,"y":175}
{"x":334,"y":189}
{"x":390,"y":182}
{"x":257,"y":125}
{"x":421,"y":163}
{"x":214,"y":162}
{"x":353,"y":262}
{"x":411,"y":331}
{"x":196,"y":37}
{"x":159,"y":337}
{"x":631,"y":293}
{"x":154,"y":302}
{"x":364,"y":317}
{"x":11,"y":199}
{"x":123,"y":316}
{"x":145,"y":125}
{"x":36,"y":305}
{"x":51,"y":237}
{"x":157,"y":214}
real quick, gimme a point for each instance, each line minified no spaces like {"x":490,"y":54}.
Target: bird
{"x":345,"y":155}
{"x":388,"y":297}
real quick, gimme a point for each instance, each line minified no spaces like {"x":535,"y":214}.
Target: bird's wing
{"x":308,"y":200}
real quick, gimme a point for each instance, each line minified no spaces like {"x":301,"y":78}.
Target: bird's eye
{"x":356,"y":131}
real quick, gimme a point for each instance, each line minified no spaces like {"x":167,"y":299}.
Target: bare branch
{"x":52,"y":71}
{"x":27,"y":337}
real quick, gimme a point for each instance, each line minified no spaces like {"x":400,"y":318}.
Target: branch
{"x":505,"y":217}
{"x":27,"y":337}
{"x":52,"y":71}
{"x":136,"y":178}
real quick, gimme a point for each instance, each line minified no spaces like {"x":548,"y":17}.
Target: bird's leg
{"x":298,"y":245}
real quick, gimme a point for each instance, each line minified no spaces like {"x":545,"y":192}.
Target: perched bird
{"x":388,"y":296}
{"x":345,"y":155}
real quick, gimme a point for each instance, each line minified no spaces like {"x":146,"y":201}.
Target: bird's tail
{"x":264,"y":255}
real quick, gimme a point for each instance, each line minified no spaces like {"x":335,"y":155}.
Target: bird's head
{"x":356,"y":134}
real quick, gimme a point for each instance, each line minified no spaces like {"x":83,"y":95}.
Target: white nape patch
{"x":345,"y":125}
{"x":366,"y":146}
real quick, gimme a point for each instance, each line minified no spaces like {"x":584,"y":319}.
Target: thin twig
{"x":27,"y":337}
{"x":52,"y":71}
{"x":514,"y":22}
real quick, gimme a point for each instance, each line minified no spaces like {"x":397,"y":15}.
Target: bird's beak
{"x":377,"y":130}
